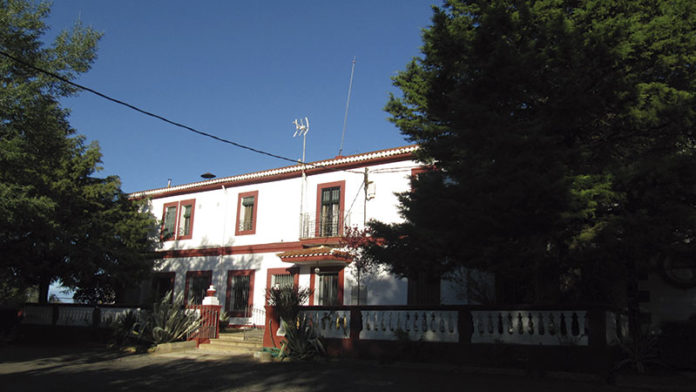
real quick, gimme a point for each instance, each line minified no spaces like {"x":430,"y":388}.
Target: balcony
{"x":327,"y":226}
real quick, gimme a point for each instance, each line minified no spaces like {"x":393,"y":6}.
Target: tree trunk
{"x":43,"y":290}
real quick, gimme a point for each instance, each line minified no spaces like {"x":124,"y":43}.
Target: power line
{"x":162,"y":118}
{"x":145,"y":112}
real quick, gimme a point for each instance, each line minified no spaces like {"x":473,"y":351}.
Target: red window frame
{"x":192,"y":203}
{"x":164,"y":216}
{"x":240,"y":197}
{"x":189,"y":275}
{"x":282,"y":271}
{"x":177,"y":219}
{"x":312,"y":284}
{"x":341,"y":204}
{"x":228,"y":294}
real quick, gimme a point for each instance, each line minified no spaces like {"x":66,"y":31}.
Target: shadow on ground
{"x":87,"y":368}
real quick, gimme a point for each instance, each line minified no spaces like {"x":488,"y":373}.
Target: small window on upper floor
{"x":177,"y":220}
{"x":247,"y":206}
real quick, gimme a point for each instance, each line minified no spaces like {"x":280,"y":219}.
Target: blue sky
{"x":240,"y":70}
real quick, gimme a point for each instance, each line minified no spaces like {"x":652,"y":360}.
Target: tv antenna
{"x":345,"y":118}
{"x":301,"y":129}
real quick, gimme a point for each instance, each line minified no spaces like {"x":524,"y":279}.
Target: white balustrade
{"x":616,"y":327}
{"x":38,"y":315}
{"x":537,"y":327}
{"x":109,"y":315}
{"x":333,"y":324}
{"x":417,"y":325}
{"x":75,"y":316}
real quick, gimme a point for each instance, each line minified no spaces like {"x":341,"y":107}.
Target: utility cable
{"x":145,"y":112}
{"x":162,"y":118}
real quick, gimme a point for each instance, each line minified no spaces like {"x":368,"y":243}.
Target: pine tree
{"x":60,"y":222}
{"x":563,"y":136}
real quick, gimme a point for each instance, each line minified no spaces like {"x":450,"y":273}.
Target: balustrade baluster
{"x":406,"y":322}
{"x":520,"y":324}
{"x":424,"y":323}
{"x":540,"y":322}
{"x":510,"y":329}
{"x":563,"y":327}
{"x":583,"y":323}
{"x":574,"y":325}
{"x":552,"y":324}
{"x":530,"y":323}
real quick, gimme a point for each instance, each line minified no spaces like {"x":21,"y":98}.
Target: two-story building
{"x":246,"y":233}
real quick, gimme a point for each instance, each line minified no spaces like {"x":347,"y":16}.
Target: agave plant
{"x":169,"y":321}
{"x":301,"y":340}
{"x":640,"y":352}
{"x":124,"y":328}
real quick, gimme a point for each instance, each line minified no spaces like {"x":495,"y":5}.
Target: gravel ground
{"x":44,"y":369}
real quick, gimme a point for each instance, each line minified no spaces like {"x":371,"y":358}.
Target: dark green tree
{"x":59,"y":221}
{"x":563,"y":138}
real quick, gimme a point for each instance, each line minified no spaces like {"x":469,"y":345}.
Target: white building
{"x":246,"y":233}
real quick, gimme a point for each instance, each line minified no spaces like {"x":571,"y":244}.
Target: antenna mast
{"x":301,"y":129}
{"x":345,"y":118}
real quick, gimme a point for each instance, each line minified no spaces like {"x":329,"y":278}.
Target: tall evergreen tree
{"x":59,"y":221}
{"x":563,"y":137}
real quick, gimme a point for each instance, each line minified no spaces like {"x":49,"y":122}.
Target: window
{"x":279,"y":281}
{"x":240,"y":293}
{"x":246,"y":213}
{"x":197,"y":283}
{"x":169,"y":222}
{"x":178,"y":226}
{"x":327,"y":290}
{"x":162,"y":285}
{"x":282,"y":277}
{"x":326,"y":286}
{"x":330,"y":209}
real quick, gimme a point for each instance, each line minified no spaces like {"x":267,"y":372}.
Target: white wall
{"x":278,"y":222}
{"x":667,"y":303}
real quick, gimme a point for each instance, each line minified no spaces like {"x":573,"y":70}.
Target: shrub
{"x":166,"y":322}
{"x":288,"y":301}
{"x":301,"y":340}
{"x":677,"y":344}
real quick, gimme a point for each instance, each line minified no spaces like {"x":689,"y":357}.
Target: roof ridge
{"x":321,"y":164}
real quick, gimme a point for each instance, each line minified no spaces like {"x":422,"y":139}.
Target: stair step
{"x":229,"y":348}
{"x":250,"y":335}
{"x":231,"y":344}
